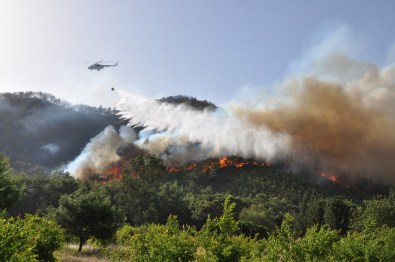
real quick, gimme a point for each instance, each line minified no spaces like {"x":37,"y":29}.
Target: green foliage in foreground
{"x":9,"y":193}
{"x":29,"y":239}
{"x":45,"y":189}
{"x":278,"y":217}
{"x":220,"y":240}
{"x":325,"y":244}
{"x":88,"y":213}
{"x":216,"y":241}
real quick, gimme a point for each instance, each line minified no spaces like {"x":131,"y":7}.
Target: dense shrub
{"x":9,"y":193}
{"x":29,"y":239}
{"x":156,"y":242}
{"x":218,"y":240}
{"x":377,"y":245}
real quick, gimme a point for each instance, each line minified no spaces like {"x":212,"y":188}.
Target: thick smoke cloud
{"x":218,"y":133}
{"x":103,"y":151}
{"x":330,"y":126}
{"x":51,"y":148}
{"x":40,"y":129}
{"x":346,"y":127}
{"x":333,"y":113}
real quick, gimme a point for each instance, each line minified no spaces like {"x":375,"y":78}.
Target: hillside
{"x":42,"y":132}
{"x":190,"y":101}
{"x":40,"y":129}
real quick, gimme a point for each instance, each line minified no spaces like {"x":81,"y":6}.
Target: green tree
{"x":219,"y":239}
{"x":45,"y":189}
{"x":146,"y":167}
{"x":9,"y":192}
{"x":29,"y":239}
{"x":316,"y":211}
{"x":227,"y":223}
{"x":88,"y":212}
{"x":136,"y":198}
{"x":171,"y":201}
{"x":156,"y":242}
{"x":379,"y":211}
{"x":48,"y":236}
{"x":316,"y":244}
{"x":285,"y":245}
{"x":280,"y":245}
{"x":377,"y":245}
{"x":16,"y":244}
{"x":205,"y":203}
{"x":137,"y":193}
{"x":337,"y":214}
{"x":260,"y":214}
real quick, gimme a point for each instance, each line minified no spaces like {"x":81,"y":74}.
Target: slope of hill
{"x":190,"y":101}
{"x":39,"y":129}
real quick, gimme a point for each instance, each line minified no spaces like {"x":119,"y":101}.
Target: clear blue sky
{"x":209,"y":49}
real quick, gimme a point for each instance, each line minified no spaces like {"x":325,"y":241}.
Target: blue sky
{"x":208,"y":49}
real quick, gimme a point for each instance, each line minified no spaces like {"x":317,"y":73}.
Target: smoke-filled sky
{"x":214,"y":50}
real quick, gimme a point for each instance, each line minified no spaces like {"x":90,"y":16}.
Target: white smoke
{"x":101,"y":152}
{"x":333,"y":113}
{"x":218,"y":133}
{"x":51,"y":148}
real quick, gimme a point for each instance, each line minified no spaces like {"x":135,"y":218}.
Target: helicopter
{"x":98,"y":66}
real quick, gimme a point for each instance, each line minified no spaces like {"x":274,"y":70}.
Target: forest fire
{"x":224,"y":162}
{"x":336,"y":180}
{"x":237,"y":162}
{"x":330,"y":177}
{"x":187,"y":167}
{"x":114,"y":173}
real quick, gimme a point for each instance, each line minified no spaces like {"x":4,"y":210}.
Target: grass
{"x":89,"y":253}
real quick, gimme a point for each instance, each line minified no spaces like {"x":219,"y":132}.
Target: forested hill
{"x":39,"y":129}
{"x":190,"y":101}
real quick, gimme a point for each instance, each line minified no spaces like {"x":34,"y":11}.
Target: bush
{"x":49,"y":236}
{"x":155,"y":243}
{"x":378,"y":245}
{"x":16,"y":243}
{"x":29,"y":239}
{"x":285,"y":245}
{"x":9,"y":193}
{"x":218,"y":240}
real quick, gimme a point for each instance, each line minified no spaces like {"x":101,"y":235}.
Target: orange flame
{"x":111,"y":174}
{"x":115,"y":172}
{"x":330,"y":177}
{"x":174,"y":169}
{"x":220,"y":163}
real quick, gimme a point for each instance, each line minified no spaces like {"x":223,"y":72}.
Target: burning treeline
{"x":345,"y":127}
{"x":120,"y":168}
{"x":337,"y":119}
{"x":214,"y":164}
{"x":333,"y":125}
